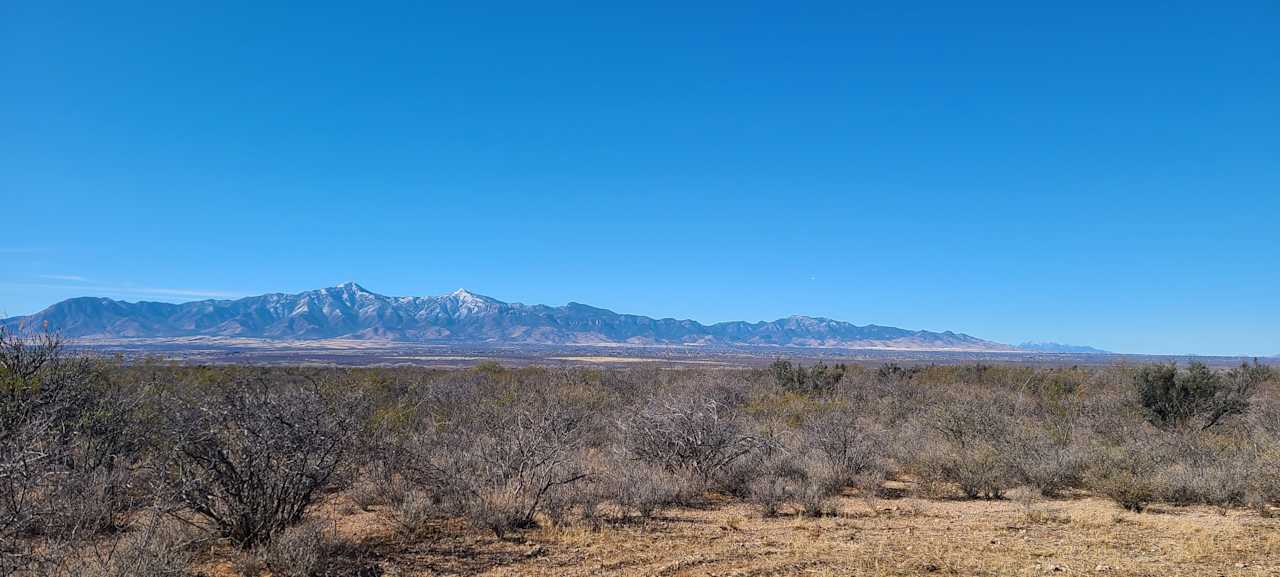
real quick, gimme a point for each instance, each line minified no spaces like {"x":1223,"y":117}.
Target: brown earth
{"x":1079,"y":536}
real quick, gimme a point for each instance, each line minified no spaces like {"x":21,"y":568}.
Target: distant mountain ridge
{"x":350,"y":311}
{"x":1049,"y":347}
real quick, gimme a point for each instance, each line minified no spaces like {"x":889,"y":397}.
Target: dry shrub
{"x":789,"y":470}
{"x":1264,"y":482}
{"x":314,"y":549}
{"x":160,"y":546}
{"x":1186,"y":468}
{"x":1127,"y":474}
{"x":642,"y":490}
{"x":1047,"y":456}
{"x":367,"y":494}
{"x":248,"y":565}
{"x":304,"y":550}
{"x":1132,"y":491}
{"x":965,"y":442}
{"x":979,"y":471}
{"x":822,"y":484}
{"x":410,"y":474}
{"x":411,"y":510}
{"x":1264,"y":478}
{"x":509,"y":473}
{"x":775,"y":479}
{"x":1264,"y":417}
{"x":687,"y":432}
{"x":850,"y":450}
{"x":252,"y":458}
{"x":498,"y":464}
{"x":69,"y":446}
{"x":1206,"y":469}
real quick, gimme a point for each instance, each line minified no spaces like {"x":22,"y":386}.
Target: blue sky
{"x":1098,"y":173}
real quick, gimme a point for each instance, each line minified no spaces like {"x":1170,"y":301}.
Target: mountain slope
{"x":351,"y":311}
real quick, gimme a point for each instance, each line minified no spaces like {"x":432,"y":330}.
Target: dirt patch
{"x":1082,"y":536}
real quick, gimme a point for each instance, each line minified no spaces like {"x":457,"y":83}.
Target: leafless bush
{"x":415,"y":473}
{"x":407,"y":470}
{"x":852,"y":452}
{"x":412,"y":511}
{"x":251,"y":458}
{"x":497,"y":464}
{"x":774,"y":486}
{"x":1048,"y":456}
{"x":510,"y":471}
{"x":789,"y":470}
{"x":1264,"y":418}
{"x":247,"y":564}
{"x":68,"y":445}
{"x":1224,"y":483}
{"x":767,"y":476}
{"x":640,"y":489}
{"x":964,"y":442}
{"x":1264,"y":482}
{"x":977,"y":470}
{"x":686,"y":433}
{"x":821,"y":485}
{"x":1127,"y":474}
{"x":1204,"y":469}
{"x":817,"y":379}
{"x":809,"y":466}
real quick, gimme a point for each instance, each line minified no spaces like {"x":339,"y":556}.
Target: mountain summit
{"x":351,"y":311}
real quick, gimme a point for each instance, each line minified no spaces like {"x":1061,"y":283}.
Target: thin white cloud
{"x":66,"y":277}
{"x":127,"y":290}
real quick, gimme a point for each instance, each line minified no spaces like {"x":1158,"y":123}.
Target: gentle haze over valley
{"x":1100,"y":174}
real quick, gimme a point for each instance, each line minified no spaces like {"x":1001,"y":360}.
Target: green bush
{"x":1174,"y":398}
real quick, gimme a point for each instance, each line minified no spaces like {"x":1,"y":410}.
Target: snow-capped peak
{"x":465,"y":295}
{"x":465,"y":302}
{"x":352,"y":286}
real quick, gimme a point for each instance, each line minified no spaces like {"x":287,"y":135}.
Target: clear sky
{"x":1103,"y":173}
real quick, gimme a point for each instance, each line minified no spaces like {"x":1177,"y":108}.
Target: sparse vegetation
{"x":145,"y":459}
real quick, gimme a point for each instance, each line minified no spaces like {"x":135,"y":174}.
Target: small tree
{"x":1173,"y":398}
{"x":816,"y":379}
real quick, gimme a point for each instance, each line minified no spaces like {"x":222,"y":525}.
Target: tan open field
{"x":907,"y":536}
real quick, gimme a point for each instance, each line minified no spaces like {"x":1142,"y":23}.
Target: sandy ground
{"x":882,"y":537}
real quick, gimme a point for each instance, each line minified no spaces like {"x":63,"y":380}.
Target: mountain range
{"x":350,"y":311}
{"x":1049,"y":347}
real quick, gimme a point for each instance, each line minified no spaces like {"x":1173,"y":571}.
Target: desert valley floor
{"x":878,"y":537}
